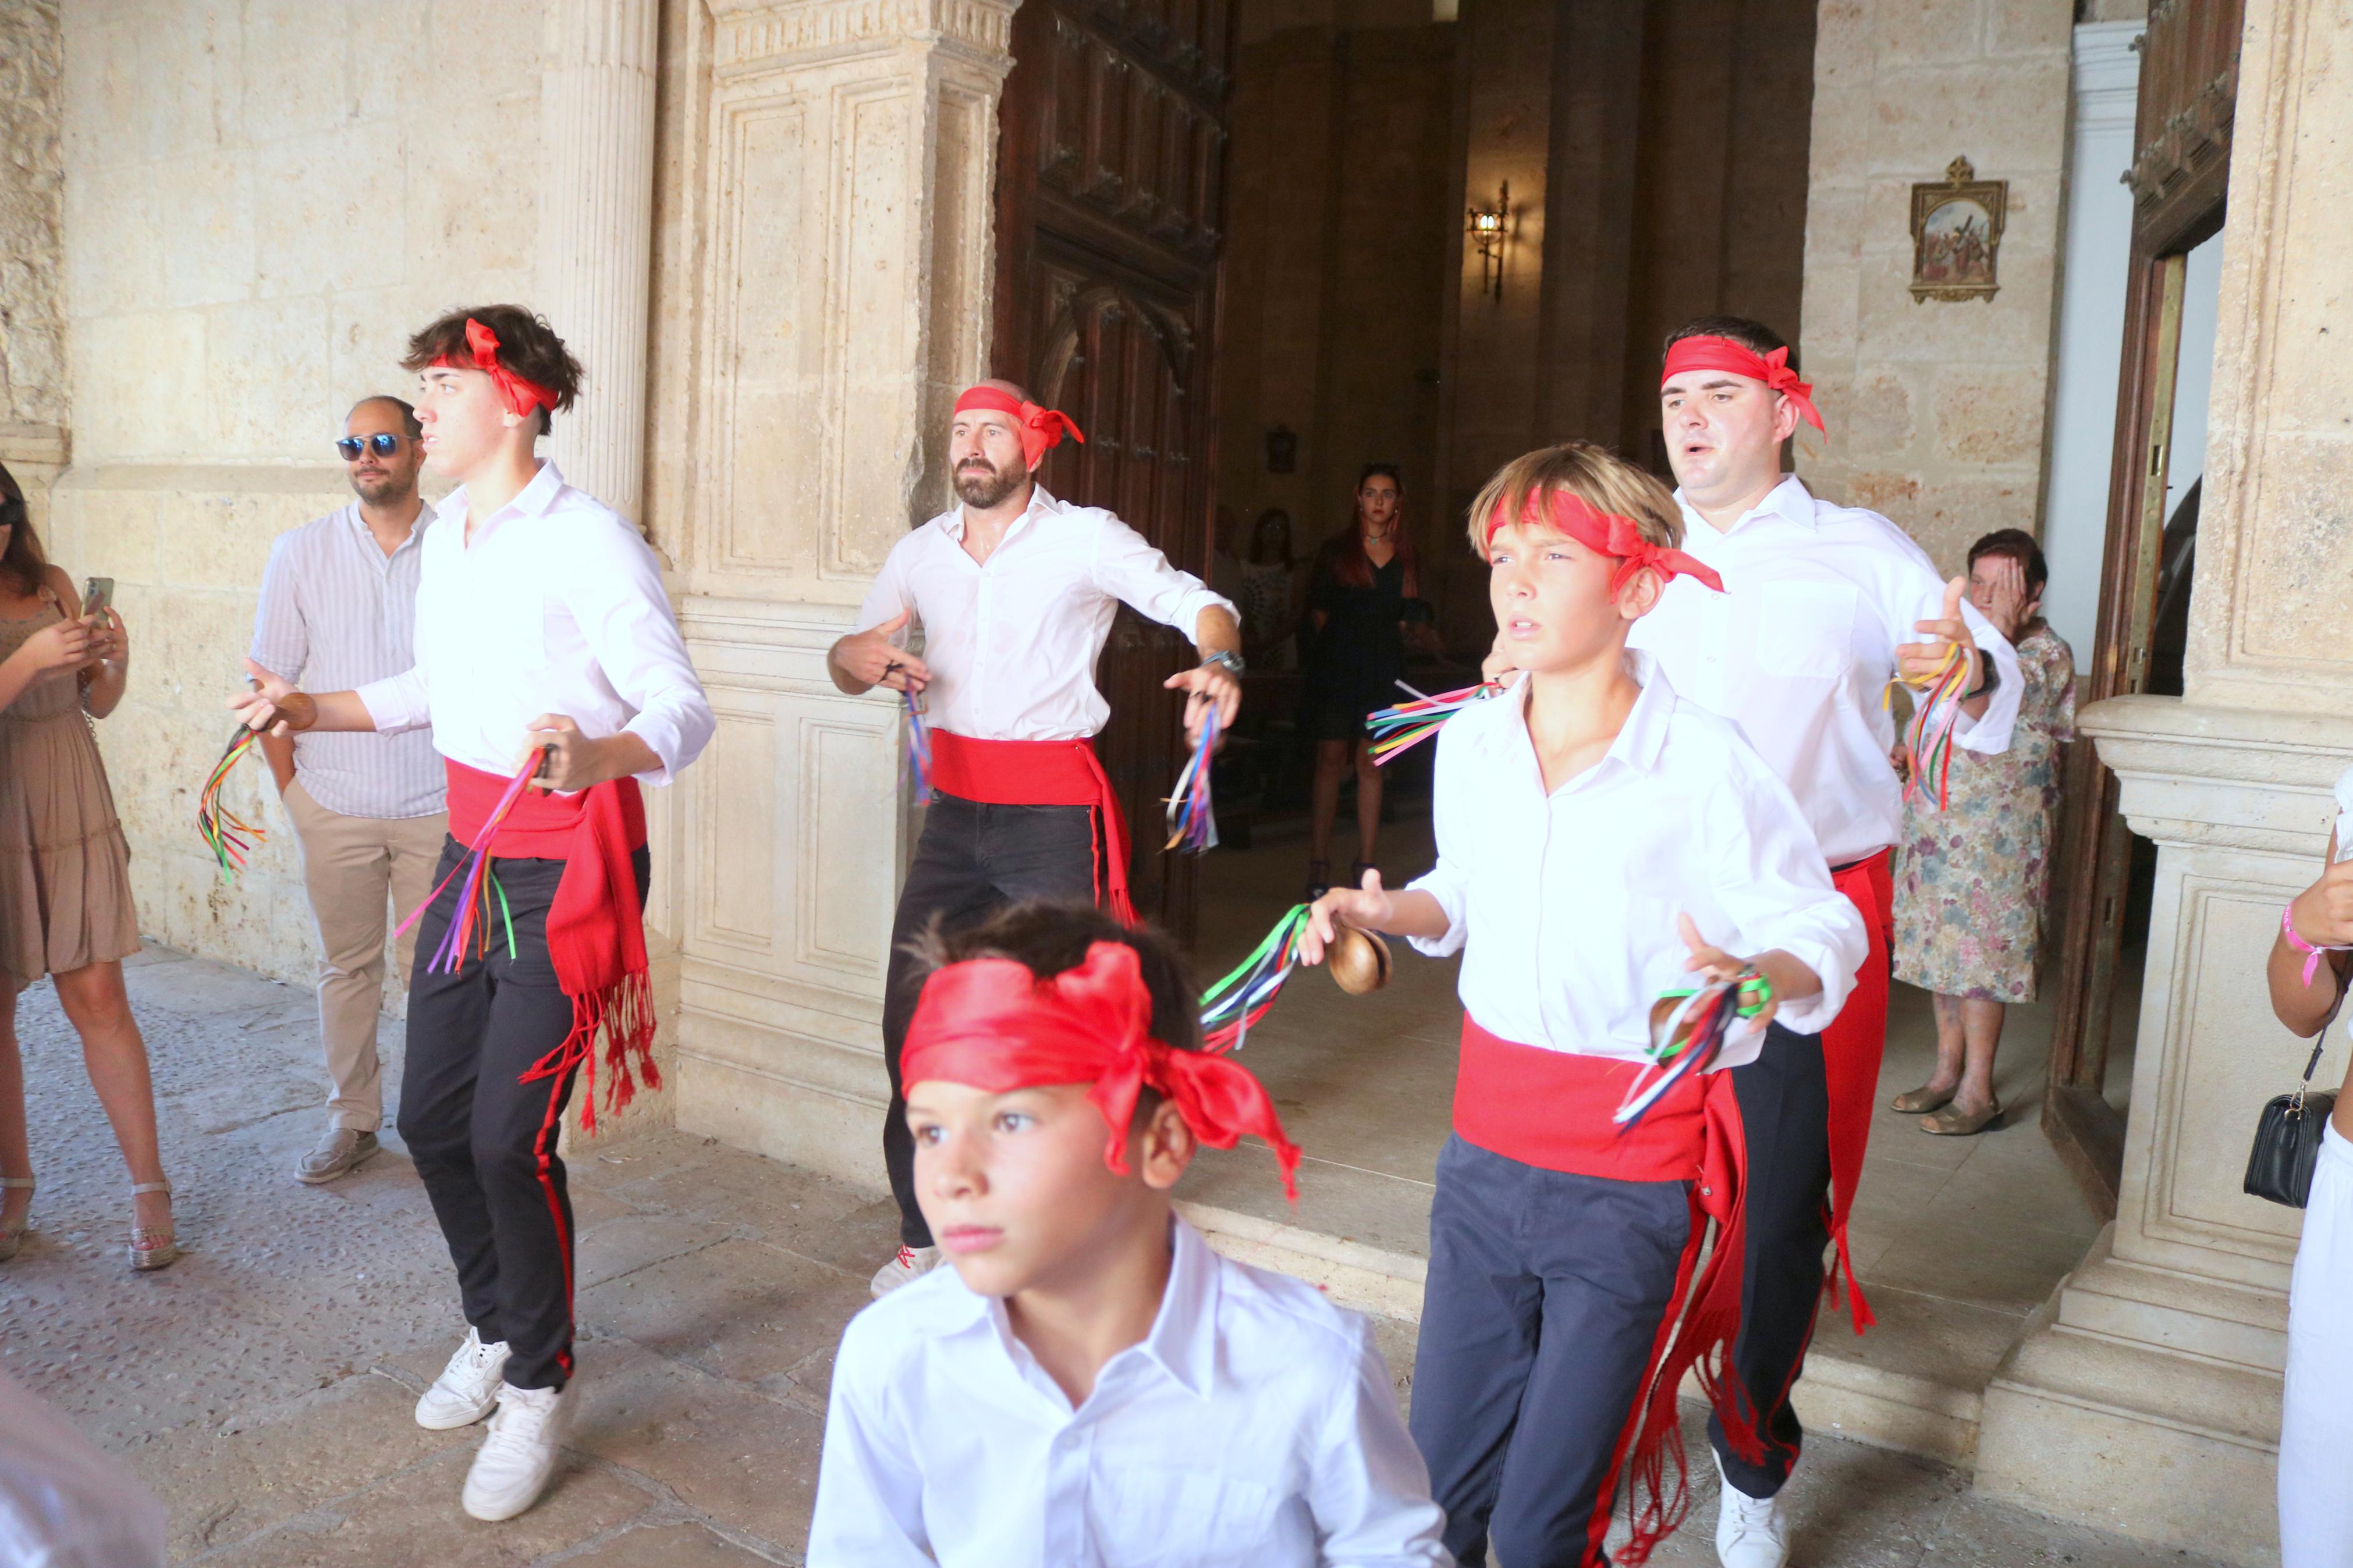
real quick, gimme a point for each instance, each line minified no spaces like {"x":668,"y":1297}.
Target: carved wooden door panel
{"x":1110,"y":219}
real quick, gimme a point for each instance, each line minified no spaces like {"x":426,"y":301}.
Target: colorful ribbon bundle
{"x":1688,"y":1039}
{"x":1928,"y":739}
{"x":1396,"y":729}
{"x":1230,"y":1008}
{"x":226,"y":834}
{"x":919,"y":746}
{"x":1192,"y":825}
{"x":472,"y":924}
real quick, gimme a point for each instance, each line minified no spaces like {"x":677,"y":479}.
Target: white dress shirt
{"x":1798,"y":648}
{"x":1012,"y":645}
{"x":555,"y":606}
{"x":1255,"y":1426}
{"x":1567,"y":901}
{"x":337,"y":612}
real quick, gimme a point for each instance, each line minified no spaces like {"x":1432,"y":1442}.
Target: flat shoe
{"x":1920,"y":1099}
{"x":1950,"y":1122}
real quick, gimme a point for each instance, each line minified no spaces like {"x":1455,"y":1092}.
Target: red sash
{"x":1552,"y":1110}
{"x":1851,"y":1048}
{"x":1041,"y":772}
{"x":595,"y":930}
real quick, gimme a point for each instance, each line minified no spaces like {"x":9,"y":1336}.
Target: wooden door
{"x":1109,"y":220}
{"x":2188,"y":90}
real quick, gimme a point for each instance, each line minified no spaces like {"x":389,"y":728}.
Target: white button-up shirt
{"x":556,"y":606}
{"x":1798,"y":648}
{"x":1254,"y":1425}
{"x":1567,"y":901}
{"x":337,"y":612}
{"x":1012,"y":645}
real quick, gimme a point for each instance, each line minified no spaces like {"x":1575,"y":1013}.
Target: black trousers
{"x":484,"y":1141}
{"x":1546,"y":1295}
{"x":972,"y":860}
{"x":1785,"y":1112}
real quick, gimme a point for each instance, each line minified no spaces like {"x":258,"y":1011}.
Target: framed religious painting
{"x":1957,"y":235}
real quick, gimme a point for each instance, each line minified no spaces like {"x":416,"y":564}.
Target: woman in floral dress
{"x":1970,"y":880}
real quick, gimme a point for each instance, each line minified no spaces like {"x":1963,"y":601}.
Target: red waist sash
{"x":1552,"y":1110}
{"x":1851,"y":1047}
{"x":1041,"y":772}
{"x":595,"y":928}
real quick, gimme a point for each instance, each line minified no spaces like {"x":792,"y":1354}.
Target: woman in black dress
{"x":1365,"y":590}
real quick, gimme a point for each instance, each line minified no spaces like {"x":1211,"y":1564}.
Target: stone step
{"x":1869,"y":1404}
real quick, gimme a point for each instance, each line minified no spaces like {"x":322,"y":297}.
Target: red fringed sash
{"x":1851,"y":1048}
{"x":595,"y":929}
{"x":1552,"y":1110}
{"x":1041,"y":772}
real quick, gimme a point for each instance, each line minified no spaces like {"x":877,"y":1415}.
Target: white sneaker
{"x":468,"y":1388}
{"x":906,"y":1264}
{"x":1751,"y":1532}
{"x":511,"y":1468}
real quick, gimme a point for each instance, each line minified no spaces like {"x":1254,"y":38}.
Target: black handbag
{"x":2287,"y":1140}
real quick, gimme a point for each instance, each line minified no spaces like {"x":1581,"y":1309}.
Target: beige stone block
{"x":744,"y":1312}
{"x":472,"y":191}
{"x":2031,"y":28}
{"x":396,"y":67}
{"x":108,"y":532}
{"x":1846,"y":52}
{"x":368,"y":331}
{"x":268,"y":377}
{"x":1989,"y":416}
{"x":2297,"y":562}
{"x":99,"y":94}
{"x":187,"y":64}
{"x":1876,"y":415}
{"x":1934,"y":32}
{"x":1948,"y":512}
{"x":331,"y":210}
{"x":138,"y":386}
{"x":210,"y":540}
{"x":295,"y":65}
{"x":2009,"y":119}
{"x":114,"y":250}
{"x":500,"y":44}
{"x":2012,"y":328}
{"x":204,"y":201}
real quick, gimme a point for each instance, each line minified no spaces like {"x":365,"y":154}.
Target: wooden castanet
{"x":1359,"y":961}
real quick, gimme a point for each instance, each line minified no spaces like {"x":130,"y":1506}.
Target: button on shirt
{"x":555,"y":606}
{"x":1012,"y":644}
{"x":1254,"y":1425}
{"x":1800,"y":646}
{"x":336,"y":613}
{"x":1567,"y":901}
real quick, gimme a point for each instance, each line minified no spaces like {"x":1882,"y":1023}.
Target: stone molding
{"x":51,"y":445}
{"x":754,"y":38}
{"x":2107,"y":75}
{"x":2187,"y":770}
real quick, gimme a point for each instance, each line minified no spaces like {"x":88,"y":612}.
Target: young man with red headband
{"x":545,"y":641}
{"x":1823,"y":606}
{"x":1016,"y":591}
{"x":1090,"y":1383}
{"x":1602,"y":842}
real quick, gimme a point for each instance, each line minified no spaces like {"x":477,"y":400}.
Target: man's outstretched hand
{"x":870,"y":657}
{"x":1918,"y":662}
{"x":272,"y":705}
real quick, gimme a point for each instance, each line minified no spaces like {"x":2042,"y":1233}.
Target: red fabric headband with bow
{"x":990,"y":1024}
{"x":1042,"y":429}
{"x":519,"y":395}
{"x":1722,"y":354}
{"x":1607,"y":533}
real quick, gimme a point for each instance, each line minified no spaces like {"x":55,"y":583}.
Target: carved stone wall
{"x":32,"y":214}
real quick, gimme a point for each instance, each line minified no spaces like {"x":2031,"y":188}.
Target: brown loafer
{"x":1920,"y":1099}
{"x":1952,"y":1122}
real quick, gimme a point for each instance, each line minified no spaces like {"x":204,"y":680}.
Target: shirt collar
{"x":426,"y":513}
{"x":950,"y":522}
{"x":1640,"y":739}
{"x":534,"y":499}
{"x":1790,"y":501}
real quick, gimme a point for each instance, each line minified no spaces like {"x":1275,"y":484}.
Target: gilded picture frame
{"x":1957,"y":235}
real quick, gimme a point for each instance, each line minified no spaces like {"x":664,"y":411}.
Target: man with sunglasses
{"x":339,"y":610}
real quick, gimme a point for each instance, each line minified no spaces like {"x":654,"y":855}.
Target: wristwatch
{"x":1229,"y":661}
{"x":1992,"y":677}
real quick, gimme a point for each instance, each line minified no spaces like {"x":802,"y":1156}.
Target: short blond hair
{"x":1602,"y":479}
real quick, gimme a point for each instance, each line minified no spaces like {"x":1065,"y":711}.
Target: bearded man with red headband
{"x":545,"y":642}
{"x":1823,"y":606}
{"x":1016,"y":591}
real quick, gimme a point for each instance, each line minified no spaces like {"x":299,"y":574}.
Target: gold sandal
{"x":1920,"y":1099}
{"x":1952,"y":1122}
{"x":157,"y":1248}
{"x":10,"y":1240}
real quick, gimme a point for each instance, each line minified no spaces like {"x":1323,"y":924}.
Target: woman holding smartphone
{"x":65,"y":873}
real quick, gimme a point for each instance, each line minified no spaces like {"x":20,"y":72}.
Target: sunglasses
{"x":382,"y":445}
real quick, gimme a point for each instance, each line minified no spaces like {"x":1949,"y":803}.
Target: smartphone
{"x":97,"y":596}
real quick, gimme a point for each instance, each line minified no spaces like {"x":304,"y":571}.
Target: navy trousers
{"x":1546,"y":1298}
{"x":972,"y":860}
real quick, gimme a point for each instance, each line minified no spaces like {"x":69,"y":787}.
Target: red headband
{"x":990,"y":1024}
{"x":1042,"y":429}
{"x":1607,"y":533}
{"x":1722,"y":354}
{"x":520,"y":396}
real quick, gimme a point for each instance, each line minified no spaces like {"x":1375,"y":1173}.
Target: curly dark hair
{"x":527,"y":347}
{"x":1049,"y":937}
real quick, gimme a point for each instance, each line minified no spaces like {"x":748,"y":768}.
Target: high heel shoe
{"x":10,"y":1240}
{"x":157,"y":1248}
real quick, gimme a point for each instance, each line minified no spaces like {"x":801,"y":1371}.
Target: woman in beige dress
{"x":65,"y":873}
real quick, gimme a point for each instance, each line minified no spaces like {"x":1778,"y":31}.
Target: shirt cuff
{"x":1449,"y":894}
{"x":659,"y":731}
{"x":1814,"y":1013}
{"x":394,"y":703}
{"x":1188,"y":612}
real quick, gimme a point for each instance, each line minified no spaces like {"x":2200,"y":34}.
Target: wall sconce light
{"x":1281,"y":451}
{"x":1489,"y":228}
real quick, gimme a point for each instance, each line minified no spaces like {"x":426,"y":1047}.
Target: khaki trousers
{"x":349,"y":865}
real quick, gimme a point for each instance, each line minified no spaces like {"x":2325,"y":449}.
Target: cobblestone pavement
{"x":262,"y":1386}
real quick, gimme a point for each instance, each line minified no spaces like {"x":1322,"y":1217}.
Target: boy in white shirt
{"x":1090,"y":1384}
{"x":1601,"y":843}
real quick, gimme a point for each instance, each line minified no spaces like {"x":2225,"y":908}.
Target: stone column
{"x":2146,"y":1399}
{"x":595,"y":232}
